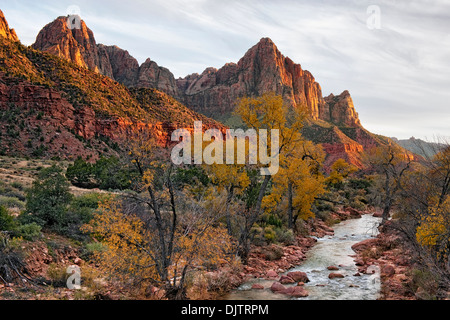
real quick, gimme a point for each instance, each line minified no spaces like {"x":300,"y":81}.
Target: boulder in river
{"x":298,"y":276}
{"x":277,"y":288}
{"x":297,"y":292}
{"x":286,"y":280}
{"x":336,"y":276}
{"x":333,"y":268}
{"x":271,"y":274}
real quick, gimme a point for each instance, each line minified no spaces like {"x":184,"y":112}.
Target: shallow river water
{"x":329,"y":251}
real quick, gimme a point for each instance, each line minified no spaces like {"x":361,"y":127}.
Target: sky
{"x":392,"y":55}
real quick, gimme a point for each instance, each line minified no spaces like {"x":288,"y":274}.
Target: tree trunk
{"x":227,"y":210}
{"x":386,"y":211}
{"x":244,"y":245}
{"x":387,"y":200}
{"x":244,"y":240}
{"x":290,"y":207}
{"x":175,"y":293}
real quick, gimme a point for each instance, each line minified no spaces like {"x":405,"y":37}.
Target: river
{"x":329,"y":251}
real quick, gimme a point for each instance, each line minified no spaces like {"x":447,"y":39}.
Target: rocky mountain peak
{"x":342,"y":110}
{"x":266,"y":45}
{"x":5,"y":31}
{"x":262,"y":69}
{"x":78,"y":45}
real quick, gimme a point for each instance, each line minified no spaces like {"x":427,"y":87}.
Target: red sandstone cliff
{"x":262,"y":69}
{"x":5,"y":31}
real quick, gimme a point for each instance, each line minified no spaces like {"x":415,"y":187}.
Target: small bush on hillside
{"x":48,"y":198}
{"x":7,"y":222}
{"x":106,"y":174}
{"x":29,"y":232}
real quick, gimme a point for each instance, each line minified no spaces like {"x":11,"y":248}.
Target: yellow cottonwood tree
{"x":300,"y":180}
{"x":433,"y":232}
{"x":126,"y":241}
{"x":434,"y":225}
{"x":340,"y":170}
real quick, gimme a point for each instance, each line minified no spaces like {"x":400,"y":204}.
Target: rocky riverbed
{"x":328,"y":270}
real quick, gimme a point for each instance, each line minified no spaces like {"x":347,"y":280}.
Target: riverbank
{"x":388,"y":253}
{"x":403,"y":276}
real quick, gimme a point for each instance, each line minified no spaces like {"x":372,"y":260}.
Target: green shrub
{"x":29,"y":232}
{"x":191,"y":176}
{"x":81,"y":174}
{"x":84,"y":206}
{"x":92,"y":248}
{"x":285,"y":236}
{"x":358,"y":204}
{"x":48,"y":198}
{"x":111,"y":174}
{"x":7,"y":222}
{"x":106,"y":174}
{"x":17,"y":185}
{"x":269,"y":234}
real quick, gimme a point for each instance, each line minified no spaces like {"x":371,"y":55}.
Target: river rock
{"x":372,"y":269}
{"x":271,"y":274}
{"x":298,"y":276}
{"x":359,"y":262}
{"x":336,"y":276}
{"x":257,"y":286}
{"x":387,"y":270}
{"x":353,"y":212}
{"x":333,"y":268}
{"x":277,"y":288}
{"x":286,"y":280}
{"x":378,"y":214}
{"x":366,"y":244}
{"x":298,"y":292}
